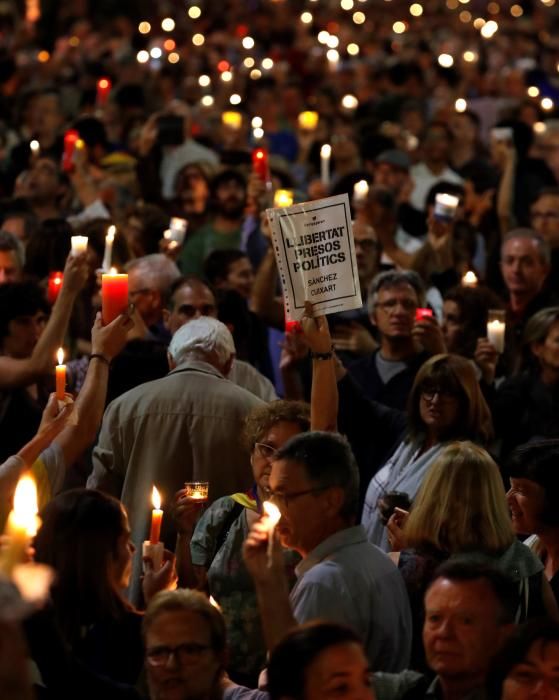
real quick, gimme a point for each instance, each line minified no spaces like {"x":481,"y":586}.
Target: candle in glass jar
{"x":60,"y":376}
{"x":114,"y":296}
{"x":79,"y":244}
{"x":445,"y":206}
{"x":197,"y":490}
{"x":54,"y":286}
{"x":325,"y":154}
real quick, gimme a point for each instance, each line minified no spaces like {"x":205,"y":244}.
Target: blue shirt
{"x":348,"y":580}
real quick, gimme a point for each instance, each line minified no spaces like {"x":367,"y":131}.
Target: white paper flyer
{"x":313,"y":243}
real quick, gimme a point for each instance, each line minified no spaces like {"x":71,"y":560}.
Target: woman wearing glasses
{"x":209,"y":552}
{"x":445,"y":404}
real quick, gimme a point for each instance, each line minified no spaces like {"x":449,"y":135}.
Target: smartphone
{"x":420,"y":314}
{"x":170,"y":130}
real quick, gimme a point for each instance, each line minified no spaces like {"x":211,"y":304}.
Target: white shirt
{"x":424,"y":179}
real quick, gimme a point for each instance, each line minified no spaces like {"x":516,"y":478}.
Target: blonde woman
{"x":461,"y":510}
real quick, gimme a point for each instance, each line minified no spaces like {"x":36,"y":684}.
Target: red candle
{"x":54,"y":286}
{"x":260,"y":163}
{"x":60,"y":376}
{"x":420,"y":314}
{"x":114,"y":296}
{"x":293,"y":327}
{"x":103,"y":91}
{"x":156,"y":517}
{"x":70,"y":139}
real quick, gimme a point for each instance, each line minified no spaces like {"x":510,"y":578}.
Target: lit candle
{"x":108,"y":254}
{"x":60,"y":376}
{"x":35,"y":148}
{"x":214,"y":602}
{"x":197,"y":490}
{"x":496,"y":329}
{"x":260,"y":163}
{"x":70,"y":139}
{"x":445,"y":206}
{"x":156,"y":517}
{"x":22,"y":524}
{"x":469,"y":279}
{"x":79,"y":244}
{"x":308,"y":120}
{"x":103,"y":91}
{"x":273,"y":516}
{"x":178,"y":228}
{"x":293,"y":326}
{"x":234,"y":120}
{"x":283,"y":198}
{"x":114,"y":296}
{"x":54,"y":286}
{"x":325,"y":153}
{"x":360,"y":191}
{"x":422,"y":313}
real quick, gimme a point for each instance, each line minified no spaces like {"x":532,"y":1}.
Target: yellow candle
{"x":283,"y":198}
{"x":232,"y":119}
{"x":308,"y":120}
{"x":22,"y":524}
{"x":156,"y":517}
{"x":60,"y":376}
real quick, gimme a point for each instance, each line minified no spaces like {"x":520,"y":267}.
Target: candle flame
{"x":167,"y":234}
{"x":58,"y":280}
{"x":156,"y":499}
{"x":214,"y":602}
{"x":60,"y":356}
{"x":326,"y":151}
{"x":469,"y":279}
{"x":273,"y":513}
{"x":111,"y":232}
{"x":25,"y":505}
{"x":113,"y":271}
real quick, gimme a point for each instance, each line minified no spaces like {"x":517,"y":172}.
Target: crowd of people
{"x":411,"y":455}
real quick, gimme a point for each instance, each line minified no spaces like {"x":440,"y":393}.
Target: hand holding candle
{"x":496,"y":329}
{"x":153,"y":548}
{"x":273,"y":516}
{"x":79,"y":244}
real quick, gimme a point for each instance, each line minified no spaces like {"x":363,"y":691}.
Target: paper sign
{"x":313,"y":243}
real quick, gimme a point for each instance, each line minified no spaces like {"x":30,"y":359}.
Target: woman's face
{"x":341,"y":672}
{"x":263,"y":452}
{"x":120,"y":564}
{"x":548,"y":351}
{"x":537,"y":676}
{"x":526,"y":501}
{"x":452,"y":327}
{"x":439,"y":410}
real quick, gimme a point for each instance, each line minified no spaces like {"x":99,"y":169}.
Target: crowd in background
{"x":413,"y":455}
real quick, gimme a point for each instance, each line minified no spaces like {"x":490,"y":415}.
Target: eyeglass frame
{"x":283,"y":499}
{"x":272,"y":451}
{"x":192,"y":650}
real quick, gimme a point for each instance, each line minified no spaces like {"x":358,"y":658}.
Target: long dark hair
{"x":79,"y":535}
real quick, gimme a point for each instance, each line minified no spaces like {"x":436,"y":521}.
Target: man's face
{"x":190,"y":673}
{"x":436,"y":144}
{"x":302,"y":505}
{"x":462,"y":632}
{"x":49,"y":118}
{"x":148,"y":301}
{"x":366,"y":250}
{"x":390,"y":176}
{"x":231,"y":199}
{"x":9,"y":268}
{"x":523,"y":270}
{"x":42,"y":181}
{"x":545,"y":218}
{"x":394,"y":313}
{"x":188,"y":303}
{"x":23,"y":334}
{"x":240,"y":277}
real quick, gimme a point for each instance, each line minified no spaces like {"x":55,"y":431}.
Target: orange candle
{"x":60,"y":376}
{"x":156,"y":517}
{"x":114,"y":296}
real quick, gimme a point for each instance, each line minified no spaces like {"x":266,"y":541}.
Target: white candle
{"x":79,"y":244}
{"x":273,"y":516}
{"x":469,"y":279}
{"x":445,"y":206}
{"x":496,"y":334}
{"x":35,"y":147}
{"x":325,"y":153}
{"x":22,"y":524}
{"x":360,"y":191}
{"x":108,"y":255}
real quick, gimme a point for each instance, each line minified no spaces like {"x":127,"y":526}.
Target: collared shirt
{"x":411,"y":685}
{"x":346,"y":579}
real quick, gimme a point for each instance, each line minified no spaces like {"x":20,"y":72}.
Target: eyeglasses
{"x":265,"y":451}
{"x":444,"y":395}
{"x":190,"y":311}
{"x":390,"y":305}
{"x":284,"y":499}
{"x":183,"y":653}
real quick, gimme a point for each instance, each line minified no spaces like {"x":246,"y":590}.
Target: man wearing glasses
{"x":314,"y":482}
